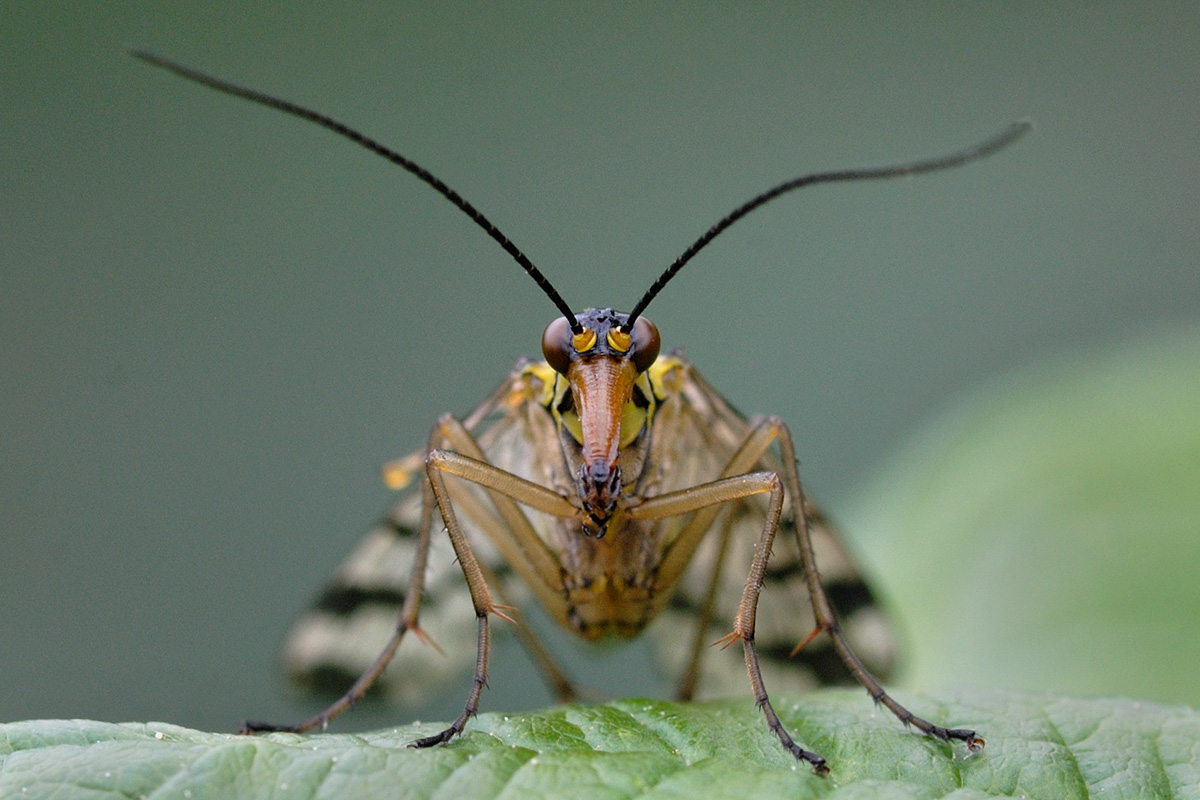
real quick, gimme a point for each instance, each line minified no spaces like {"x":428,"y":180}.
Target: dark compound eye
{"x":645,"y":343}
{"x":556,"y":344}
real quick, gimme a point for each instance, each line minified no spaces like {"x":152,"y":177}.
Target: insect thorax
{"x":610,"y":581}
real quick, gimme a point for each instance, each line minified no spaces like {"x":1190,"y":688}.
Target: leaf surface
{"x":1039,"y":746}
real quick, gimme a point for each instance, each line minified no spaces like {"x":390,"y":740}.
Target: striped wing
{"x":695,"y":434}
{"x":694,"y":438}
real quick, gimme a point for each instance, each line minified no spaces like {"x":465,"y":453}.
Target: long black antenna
{"x":1010,"y":135}
{"x":375,"y":147}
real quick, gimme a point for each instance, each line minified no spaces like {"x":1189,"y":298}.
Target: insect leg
{"x":457,"y":434}
{"x":686,"y":690}
{"x":826,"y":618}
{"x":728,"y":490}
{"x":485,"y":519}
{"x":409,"y":614}
{"x":398,"y":474}
{"x":515,"y":538}
{"x":481,"y":599}
{"x":555,"y":678}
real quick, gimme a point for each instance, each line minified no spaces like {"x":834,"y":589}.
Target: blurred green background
{"x":217,"y":322}
{"x":1041,"y":533}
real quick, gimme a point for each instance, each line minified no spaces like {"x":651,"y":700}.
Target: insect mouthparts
{"x":599,"y":487}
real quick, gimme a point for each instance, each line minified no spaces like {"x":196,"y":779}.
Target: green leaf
{"x":1038,"y":746}
{"x":1044,"y":532}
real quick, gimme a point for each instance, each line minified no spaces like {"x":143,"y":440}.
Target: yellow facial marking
{"x":540,"y":382}
{"x":665,"y":375}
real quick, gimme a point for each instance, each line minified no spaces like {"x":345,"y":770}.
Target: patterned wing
{"x":705,"y":431}
{"x":346,"y":628}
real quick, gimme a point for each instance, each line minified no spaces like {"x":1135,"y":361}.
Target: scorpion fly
{"x":613,"y":484}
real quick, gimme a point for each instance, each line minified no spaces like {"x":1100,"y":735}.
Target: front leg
{"x":708,"y":496}
{"x":481,"y":597}
{"x":523,"y":550}
{"x":826,"y":618}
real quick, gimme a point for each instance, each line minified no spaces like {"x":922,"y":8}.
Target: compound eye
{"x":645,"y":343}
{"x":556,"y":345}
